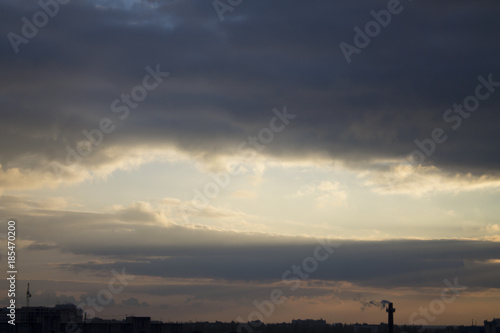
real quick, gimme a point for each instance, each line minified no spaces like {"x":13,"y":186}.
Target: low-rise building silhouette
{"x":40,"y":318}
{"x":67,"y":318}
{"x":492,"y":326}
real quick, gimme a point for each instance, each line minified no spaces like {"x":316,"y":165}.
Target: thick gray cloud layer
{"x":155,"y":250}
{"x":227,"y":76}
{"x":372,"y":264}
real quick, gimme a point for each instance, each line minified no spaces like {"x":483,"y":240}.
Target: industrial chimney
{"x":390,"y":310}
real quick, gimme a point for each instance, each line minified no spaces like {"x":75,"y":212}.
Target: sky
{"x":243,"y":160}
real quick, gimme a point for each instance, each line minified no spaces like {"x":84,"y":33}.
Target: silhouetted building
{"x":365,"y":328}
{"x":67,"y":318}
{"x":36,"y":319}
{"x":471,"y":329}
{"x":492,"y":326}
{"x":140,"y":324}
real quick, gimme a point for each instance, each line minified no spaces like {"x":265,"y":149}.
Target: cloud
{"x":25,"y":202}
{"x":403,"y":178}
{"x":392,"y":94}
{"x":41,"y":247}
{"x":197,"y":253}
{"x":136,"y":237}
{"x":383,"y":264}
{"x":140,"y":212}
{"x":326,"y":193}
{"x":134,"y":302}
{"x":492,"y":228}
{"x":195,"y":213}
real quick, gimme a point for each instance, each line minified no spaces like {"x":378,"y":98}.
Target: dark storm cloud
{"x":227,"y":76}
{"x":201,"y":253}
{"x":388,"y":264}
{"x":212,"y":256}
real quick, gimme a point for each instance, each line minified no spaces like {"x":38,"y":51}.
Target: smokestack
{"x":390,"y":310}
